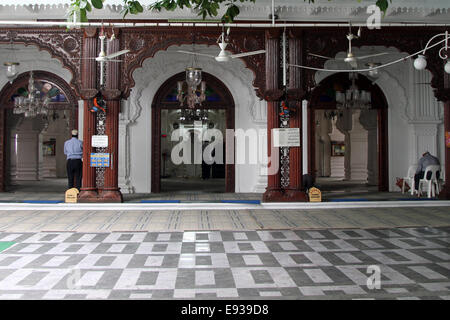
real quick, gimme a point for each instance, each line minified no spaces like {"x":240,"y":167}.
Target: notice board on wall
{"x":286,"y":137}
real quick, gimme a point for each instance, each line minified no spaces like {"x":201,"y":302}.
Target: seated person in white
{"x":426,"y":160}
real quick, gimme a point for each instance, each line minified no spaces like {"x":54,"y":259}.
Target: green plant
{"x":79,"y":8}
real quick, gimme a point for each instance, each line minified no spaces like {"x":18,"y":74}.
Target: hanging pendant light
{"x":353,"y":98}
{"x":33,"y":104}
{"x":193,"y":80}
{"x":11,"y":64}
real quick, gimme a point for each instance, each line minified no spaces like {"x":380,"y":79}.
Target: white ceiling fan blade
{"x":116,"y":54}
{"x":354,"y":64}
{"x":251,"y":53}
{"x":197,"y":53}
{"x":82,"y":58}
{"x":319,"y":56}
{"x":324,"y":57}
{"x":372,"y":55}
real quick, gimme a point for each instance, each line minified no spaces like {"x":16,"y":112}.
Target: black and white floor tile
{"x":414,"y":263}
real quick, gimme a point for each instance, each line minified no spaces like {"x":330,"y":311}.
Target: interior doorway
{"x":348,"y":146}
{"x":194,"y":174}
{"x":33,"y":146}
{"x":179,"y":140}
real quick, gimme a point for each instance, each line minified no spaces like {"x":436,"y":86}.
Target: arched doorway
{"x":217,"y":108}
{"x":39,"y":145}
{"x":323,"y":104}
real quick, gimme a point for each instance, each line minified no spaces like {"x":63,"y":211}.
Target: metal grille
{"x":101,"y":129}
{"x":284,"y":151}
{"x":284,"y":117}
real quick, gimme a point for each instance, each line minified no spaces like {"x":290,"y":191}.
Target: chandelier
{"x":187,"y":90}
{"x":33,"y":104}
{"x":190,"y":115}
{"x":353,"y":98}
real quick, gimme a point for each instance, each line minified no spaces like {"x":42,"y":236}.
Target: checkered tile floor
{"x":414,"y":263}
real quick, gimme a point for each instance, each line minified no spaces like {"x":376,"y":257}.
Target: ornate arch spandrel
{"x":330,"y":41}
{"x":62,"y":44}
{"x":144,"y":43}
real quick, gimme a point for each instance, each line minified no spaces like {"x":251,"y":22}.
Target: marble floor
{"x":208,"y":190}
{"x":380,"y":263}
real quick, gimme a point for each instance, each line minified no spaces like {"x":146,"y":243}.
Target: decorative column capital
{"x":87,"y":94}
{"x":90,"y":32}
{"x":274,"y":33}
{"x":112,"y":31}
{"x":112,"y":94}
{"x":273,"y":95}
{"x":294,"y":33}
{"x":442,"y":95}
{"x":297,"y":94}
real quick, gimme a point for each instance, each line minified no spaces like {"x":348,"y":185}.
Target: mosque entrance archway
{"x":32,"y":148}
{"x":361,"y":152}
{"x":216,"y":112}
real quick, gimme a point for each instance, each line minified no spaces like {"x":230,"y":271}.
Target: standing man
{"x":73,"y":149}
{"x":426,"y":160}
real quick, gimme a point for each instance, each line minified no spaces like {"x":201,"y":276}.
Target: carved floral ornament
{"x":66,"y":46}
{"x":145,"y":43}
{"x":60,"y":43}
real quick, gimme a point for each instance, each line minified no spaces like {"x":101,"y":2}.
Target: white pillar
{"x":305,"y":152}
{"x":358,"y":142}
{"x":369,"y":120}
{"x":345,"y":124}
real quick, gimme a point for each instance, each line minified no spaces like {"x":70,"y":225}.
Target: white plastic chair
{"x":432,"y":183}
{"x":409,"y":178}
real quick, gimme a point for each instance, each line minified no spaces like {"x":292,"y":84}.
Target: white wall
{"x":136,"y":114}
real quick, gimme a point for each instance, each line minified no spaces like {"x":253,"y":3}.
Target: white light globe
{"x":420,"y":63}
{"x":447,"y":67}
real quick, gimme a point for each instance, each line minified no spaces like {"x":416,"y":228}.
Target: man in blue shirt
{"x":73,"y":149}
{"x":426,"y":160}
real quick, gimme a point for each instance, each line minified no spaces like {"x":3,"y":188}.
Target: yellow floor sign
{"x":72,"y":195}
{"x":315,"y":195}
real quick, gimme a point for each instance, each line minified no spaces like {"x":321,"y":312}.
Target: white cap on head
{"x":74,"y":132}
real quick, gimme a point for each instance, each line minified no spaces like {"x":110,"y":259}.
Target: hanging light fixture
{"x":447,"y":67}
{"x":190,"y":92}
{"x":353,"y":98}
{"x":190,"y":115}
{"x":373,"y":72}
{"x":33,"y":104}
{"x":420,"y":63}
{"x":11,"y":64}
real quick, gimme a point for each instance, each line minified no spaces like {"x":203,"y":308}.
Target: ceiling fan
{"x":351,"y":58}
{"x":223,"y":55}
{"x":103,"y":57}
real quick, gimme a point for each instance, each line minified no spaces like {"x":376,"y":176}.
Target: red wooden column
{"x":445,"y":193}
{"x":88,"y":192}
{"x":445,"y":97}
{"x":295,"y":94}
{"x":2,"y":150}
{"x":272,"y":94}
{"x":110,"y":191}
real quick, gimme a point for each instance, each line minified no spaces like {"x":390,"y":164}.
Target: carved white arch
{"x":250,"y":112}
{"x":394,"y":91}
{"x":31,"y":58}
{"x":165,"y":64}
